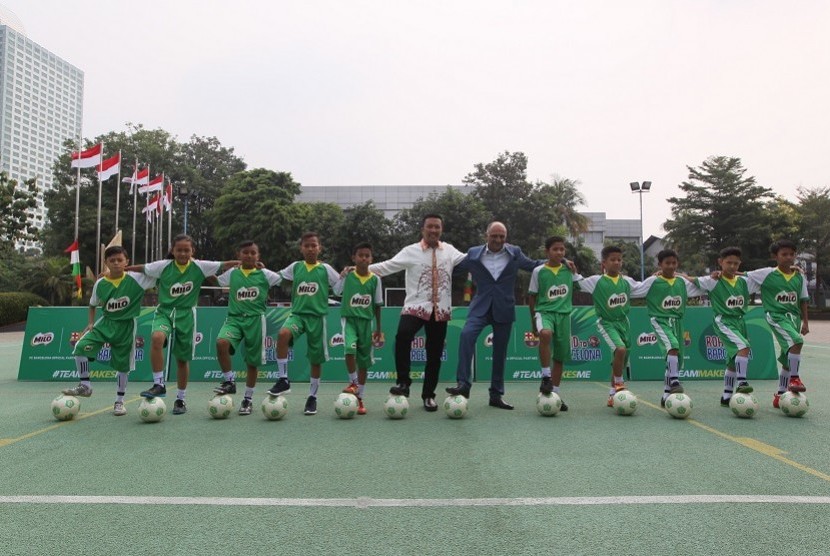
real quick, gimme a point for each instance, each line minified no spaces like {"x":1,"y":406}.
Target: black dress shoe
{"x":459,"y":391}
{"x":430,"y":405}
{"x":400,"y":390}
{"x":500,"y":403}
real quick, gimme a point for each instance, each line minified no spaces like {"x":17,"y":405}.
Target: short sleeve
{"x":274,"y":279}
{"x":93,"y":298}
{"x":224,"y":279}
{"x":533,"y":287}
{"x":155,"y":269}
{"x":338,"y":287}
{"x":146,"y":282}
{"x":334,"y":276}
{"x":641,"y":290}
{"x":287,"y":273}
{"x":378,"y":292}
{"x":588,"y":284}
{"x":208,"y":268}
{"x":706,"y":282}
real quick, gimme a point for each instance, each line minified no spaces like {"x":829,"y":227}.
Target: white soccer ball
{"x":65,"y":407}
{"x":345,"y":406}
{"x":625,"y":403}
{"x":274,"y":407}
{"x":220,"y":407}
{"x":455,"y":407}
{"x":548,"y":404}
{"x":744,"y":406}
{"x":152,"y":410}
{"x":396,"y":407}
{"x":793,"y":405}
{"x":679,"y":406}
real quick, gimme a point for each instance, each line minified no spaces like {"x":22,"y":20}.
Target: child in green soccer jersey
{"x":729,"y":295}
{"x":245,"y":323}
{"x":362,"y":295}
{"x":180,"y":279}
{"x":550,"y":312}
{"x":666,"y":295}
{"x":119,"y":295}
{"x":612,"y":303}
{"x":784,"y":296}
{"x":311,"y":283}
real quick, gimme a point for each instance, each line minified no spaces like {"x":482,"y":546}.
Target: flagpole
{"x":98,"y":224}
{"x":135,"y":205}
{"x":169,"y":214}
{"x":118,"y":193}
{"x":147,"y":233}
{"x":78,"y":185}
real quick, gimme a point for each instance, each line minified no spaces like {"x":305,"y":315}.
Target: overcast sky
{"x":402,"y":93}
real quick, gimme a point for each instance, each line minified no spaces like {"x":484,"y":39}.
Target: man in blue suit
{"x":494,"y":267}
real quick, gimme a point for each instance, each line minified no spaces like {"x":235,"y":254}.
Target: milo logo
{"x":307,"y":288}
{"x":646,"y":338}
{"x":556,"y":292}
{"x":337,"y":340}
{"x":735,"y":302}
{"x":488,"y":340}
{"x":673,"y":302}
{"x":360,"y":300}
{"x":117,"y":304}
{"x":617,"y":300}
{"x":198,"y":339}
{"x":247,"y":294}
{"x":43,"y":338}
{"x":178,"y":290}
{"x":786,"y":297}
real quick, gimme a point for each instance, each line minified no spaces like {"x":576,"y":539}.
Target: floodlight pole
{"x":640,"y":189}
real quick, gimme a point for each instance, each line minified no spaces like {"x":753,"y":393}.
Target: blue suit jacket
{"x":491,"y":293}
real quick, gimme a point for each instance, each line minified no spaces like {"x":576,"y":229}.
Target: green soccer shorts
{"x":357,"y":340}
{"x":181,"y":325}
{"x":314,"y":328}
{"x":615,"y":334}
{"x":560,"y":325}
{"x":249,"y":331}
{"x":733,"y":336}
{"x":669,"y":333}
{"x":119,"y":334}
{"x":786,"y":328}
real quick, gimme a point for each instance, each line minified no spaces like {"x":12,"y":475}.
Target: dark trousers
{"x":467,"y":347}
{"x":436,"y":332}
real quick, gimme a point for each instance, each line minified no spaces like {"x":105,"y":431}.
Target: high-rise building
{"x":41,"y":106}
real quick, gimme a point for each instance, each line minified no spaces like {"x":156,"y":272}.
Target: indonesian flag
{"x":468,"y":288}
{"x":151,"y":208}
{"x":109,"y":167}
{"x":139,"y":177}
{"x":75,"y":260}
{"x":88,"y":158}
{"x":168,"y":197}
{"x":155,"y":184}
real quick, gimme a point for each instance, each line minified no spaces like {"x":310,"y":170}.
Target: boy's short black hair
{"x":361,"y":245}
{"x":553,"y":239}
{"x":431,"y":215}
{"x":246,"y":243}
{"x":782,"y":244}
{"x":665,"y":254}
{"x":608,"y":249}
{"x":115,"y":250}
{"x":309,"y":235}
{"x":730,"y":252}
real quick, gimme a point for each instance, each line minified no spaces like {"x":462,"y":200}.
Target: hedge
{"x":14,"y":306}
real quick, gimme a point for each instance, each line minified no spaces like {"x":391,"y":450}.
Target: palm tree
{"x":51,"y":278}
{"x":562,"y":197}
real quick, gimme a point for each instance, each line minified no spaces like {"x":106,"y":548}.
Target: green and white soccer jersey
{"x":730,"y":302}
{"x":781,"y":295}
{"x":666,"y":304}
{"x":612,"y":303}
{"x":311,"y":287}
{"x":361,"y":294}
{"x":246,"y":311}
{"x":553,"y":287}
{"x":120,"y":301}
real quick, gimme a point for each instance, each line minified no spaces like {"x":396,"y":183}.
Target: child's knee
{"x":546,"y":335}
{"x":158,"y":339}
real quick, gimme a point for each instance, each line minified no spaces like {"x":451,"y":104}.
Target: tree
{"x":16,"y":205}
{"x":722,"y":207}
{"x":631,"y":259}
{"x":814,"y":227}
{"x":562,"y":197}
{"x":50,"y":278}
{"x":465,"y":219}
{"x":201,"y":163}
{"x":361,"y":223}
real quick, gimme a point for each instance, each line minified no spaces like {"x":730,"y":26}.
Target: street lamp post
{"x":185,"y":192}
{"x":636,"y":187}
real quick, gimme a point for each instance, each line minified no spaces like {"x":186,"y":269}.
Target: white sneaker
{"x":119,"y":409}
{"x":80,"y":391}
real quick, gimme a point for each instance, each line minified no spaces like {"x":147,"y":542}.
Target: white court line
{"x":416,"y":502}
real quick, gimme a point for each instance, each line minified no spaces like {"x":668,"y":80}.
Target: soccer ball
{"x":396,"y":407}
{"x":548,"y":404}
{"x":274,"y":407}
{"x":455,"y":407}
{"x":793,"y":405}
{"x":345,"y":406}
{"x":152,"y":410}
{"x":625,"y":403}
{"x":744,"y":406}
{"x":65,"y":408}
{"x":679,"y":406}
{"x":220,"y":407}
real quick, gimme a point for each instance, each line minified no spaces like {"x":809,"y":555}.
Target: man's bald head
{"x":496,"y":236}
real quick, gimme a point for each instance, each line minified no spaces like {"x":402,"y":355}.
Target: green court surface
{"x":497,"y":482}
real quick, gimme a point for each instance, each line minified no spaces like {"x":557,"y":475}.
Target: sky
{"x":386,"y":92}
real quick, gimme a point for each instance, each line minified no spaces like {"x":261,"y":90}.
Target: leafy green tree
{"x":364,"y":222}
{"x":814,"y":227}
{"x":562,"y":197}
{"x":722,"y":207}
{"x":465,"y":219}
{"x":16,"y":205}
{"x":631,"y":259}
{"x":50,"y":278}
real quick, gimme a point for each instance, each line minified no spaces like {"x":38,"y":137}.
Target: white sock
{"x":180,"y":394}
{"x":282,"y":368}
{"x":315,"y":385}
{"x":546,"y":371}
{"x":121,"y":385}
{"x":793,"y":360}
{"x":556,"y":389}
{"x":360,"y":389}
{"x":741,"y":365}
{"x":158,"y":377}
{"x":249,"y":392}
{"x":617,"y":381}
{"x":783,"y":381}
{"x":82,"y":366}
{"x":673,"y":367}
{"x":353,"y":378}
{"x":229,"y":376}
{"x":728,"y":383}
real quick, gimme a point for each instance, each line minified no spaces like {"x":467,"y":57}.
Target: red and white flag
{"x":109,"y":167}
{"x":152,"y":207}
{"x":168,"y":197}
{"x":139,"y":177}
{"x":88,"y":158}
{"x":155,"y":184}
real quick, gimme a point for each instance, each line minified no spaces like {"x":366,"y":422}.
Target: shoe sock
{"x":228,"y":376}
{"x":158,"y":378}
{"x":82,"y":366}
{"x":673,"y":367}
{"x":556,"y":390}
{"x":783,"y":380}
{"x":282,"y":368}
{"x":313,"y":387}
{"x":546,"y":372}
{"x":793,"y":362}
{"x":360,"y":389}
{"x":353,"y":378}
{"x":728,"y":383}
{"x":121,"y":380}
{"x":741,"y":366}
{"x":180,"y":393}
{"x":249,"y":392}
